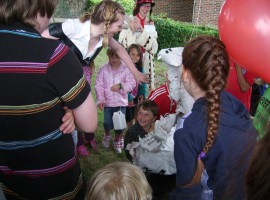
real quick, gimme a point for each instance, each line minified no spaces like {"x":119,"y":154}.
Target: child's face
{"x":145,"y":117}
{"x":114,"y":61}
{"x":134,"y":55}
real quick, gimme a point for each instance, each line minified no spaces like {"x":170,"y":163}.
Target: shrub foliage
{"x":175,"y":34}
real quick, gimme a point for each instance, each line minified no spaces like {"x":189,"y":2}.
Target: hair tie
{"x":201,"y":155}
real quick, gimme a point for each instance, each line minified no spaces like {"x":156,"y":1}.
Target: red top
{"x":234,"y":88}
{"x":160,"y":96}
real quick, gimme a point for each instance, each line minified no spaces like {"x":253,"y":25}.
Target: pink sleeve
{"x":134,"y":92}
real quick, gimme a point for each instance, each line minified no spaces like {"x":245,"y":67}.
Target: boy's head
{"x":147,"y":113}
{"x":114,"y":59}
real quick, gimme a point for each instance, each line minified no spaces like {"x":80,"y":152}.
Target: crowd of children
{"x":209,"y":151}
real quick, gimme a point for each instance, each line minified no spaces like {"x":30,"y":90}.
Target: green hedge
{"x":175,"y":34}
{"x":127,"y":4}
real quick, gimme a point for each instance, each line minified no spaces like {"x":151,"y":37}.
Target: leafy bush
{"x":175,"y":34}
{"x":127,"y":4}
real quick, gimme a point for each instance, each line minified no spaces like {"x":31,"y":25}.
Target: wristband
{"x":120,"y":85}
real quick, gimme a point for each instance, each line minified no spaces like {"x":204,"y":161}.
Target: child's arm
{"x":99,"y":88}
{"x":122,"y":53}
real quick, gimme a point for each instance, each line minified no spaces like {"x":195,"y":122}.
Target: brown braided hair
{"x":207,"y":60}
{"x":104,"y":12}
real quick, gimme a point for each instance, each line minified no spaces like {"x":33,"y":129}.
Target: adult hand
{"x":142,"y":78}
{"x":137,"y":26}
{"x":68,"y":124}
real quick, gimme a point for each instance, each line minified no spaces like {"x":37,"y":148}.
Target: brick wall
{"x":205,"y":11}
{"x":180,"y":10}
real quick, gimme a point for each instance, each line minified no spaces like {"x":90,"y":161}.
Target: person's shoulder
{"x":50,"y":46}
{"x":124,"y":67}
{"x":132,"y":131}
{"x":157,"y":92}
{"x":75,"y":21}
{"x":104,"y":67}
{"x":72,"y":26}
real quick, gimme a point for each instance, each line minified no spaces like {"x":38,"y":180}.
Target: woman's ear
{"x":185,"y":74}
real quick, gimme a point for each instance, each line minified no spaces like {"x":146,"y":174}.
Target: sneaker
{"x":93,"y":144}
{"x":106,"y":141}
{"x":122,"y":143}
{"x":82,"y":151}
{"x":118,"y":146}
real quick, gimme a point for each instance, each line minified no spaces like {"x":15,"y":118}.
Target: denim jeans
{"x":108,"y":114}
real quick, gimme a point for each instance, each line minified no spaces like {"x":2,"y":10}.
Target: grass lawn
{"x":101,"y":157}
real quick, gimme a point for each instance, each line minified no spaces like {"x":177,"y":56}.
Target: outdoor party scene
{"x":135,"y":100}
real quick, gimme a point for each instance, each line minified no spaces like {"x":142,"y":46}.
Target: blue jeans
{"x":108,"y":114}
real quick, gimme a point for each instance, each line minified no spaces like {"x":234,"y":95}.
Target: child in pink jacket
{"x":113,"y":81}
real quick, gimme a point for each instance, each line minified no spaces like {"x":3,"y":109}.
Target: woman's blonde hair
{"x":25,"y":11}
{"x":119,"y":181}
{"x":104,"y":12}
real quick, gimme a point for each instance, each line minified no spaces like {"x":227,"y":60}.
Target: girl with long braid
{"x":218,"y":130}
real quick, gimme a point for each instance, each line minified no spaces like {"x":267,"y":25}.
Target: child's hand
{"x":68,"y":124}
{"x":116,"y":87}
{"x":101,"y":106}
{"x":131,"y":103}
{"x":140,"y":99}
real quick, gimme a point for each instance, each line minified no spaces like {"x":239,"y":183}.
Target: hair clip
{"x":201,"y":155}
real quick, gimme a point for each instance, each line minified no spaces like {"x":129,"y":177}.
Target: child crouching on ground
{"x":114,"y":80}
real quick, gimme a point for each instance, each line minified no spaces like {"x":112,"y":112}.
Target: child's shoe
{"x":106,"y":141}
{"x":82,"y":151}
{"x":93,"y":144}
{"x":119,"y":145}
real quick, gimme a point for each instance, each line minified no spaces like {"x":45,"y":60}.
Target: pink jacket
{"x":106,"y":78}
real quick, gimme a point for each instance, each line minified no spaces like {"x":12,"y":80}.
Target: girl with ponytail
{"x":217,"y":131}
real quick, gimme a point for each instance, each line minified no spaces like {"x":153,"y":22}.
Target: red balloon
{"x":244,"y":27}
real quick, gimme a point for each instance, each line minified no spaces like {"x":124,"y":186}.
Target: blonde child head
{"x":119,"y":181}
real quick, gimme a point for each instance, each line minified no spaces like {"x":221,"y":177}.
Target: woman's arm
{"x":86,"y":115}
{"x":140,"y":77}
